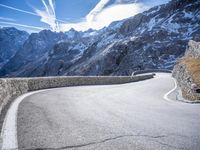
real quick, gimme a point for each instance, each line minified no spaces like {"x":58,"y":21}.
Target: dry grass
{"x":193,"y":66}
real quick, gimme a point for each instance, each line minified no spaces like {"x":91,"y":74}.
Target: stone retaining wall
{"x":10,"y":88}
{"x":189,"y":89}
{"x":185,"y":82}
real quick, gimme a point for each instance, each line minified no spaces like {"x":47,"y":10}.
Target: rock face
{"x":184,"y":74}
{"x":11,"y":40}
{"x":150,"y":40}
{"x":32,"y":54}
{"x":46,"y":53}
{"x":185,"y":82}
{"x":193,"y":49}
{"x":153,"y":39}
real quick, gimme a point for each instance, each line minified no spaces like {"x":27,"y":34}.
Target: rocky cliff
{"x":187,"y":72}
{"x":193,"y":50}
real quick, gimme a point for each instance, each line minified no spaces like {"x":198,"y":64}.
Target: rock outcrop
{"x":187,"y":72}
{"x":193,"y":49}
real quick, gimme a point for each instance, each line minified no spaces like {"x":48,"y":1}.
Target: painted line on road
{"x":172,"y":90}
{"x":178,"y":100}
{"x":9,"y":128}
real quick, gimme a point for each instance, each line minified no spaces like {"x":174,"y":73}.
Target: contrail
{"x":46,"y":7}
{"x":20,"y":10}
{"x":27,"y":12}
{"x":48,"y":15}
{"x":22,"y":25}
{"x":7,"y":19}
{"x":52,"y":6}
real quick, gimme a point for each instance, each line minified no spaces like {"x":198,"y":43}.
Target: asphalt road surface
{"x":132,"y":116}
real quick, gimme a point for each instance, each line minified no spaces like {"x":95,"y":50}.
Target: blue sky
{"x":61,"y":15}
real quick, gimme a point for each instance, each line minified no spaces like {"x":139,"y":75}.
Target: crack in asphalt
{"x":168,"y":145}
{"x":106,"y":140}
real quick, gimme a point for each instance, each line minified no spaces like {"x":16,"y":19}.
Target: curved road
{"x":132,"y":116}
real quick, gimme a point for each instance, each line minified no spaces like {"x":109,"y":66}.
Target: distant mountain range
{"x":11,"y":40}
{"x":150,"y":40}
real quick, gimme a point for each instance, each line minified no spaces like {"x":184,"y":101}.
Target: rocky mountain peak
{"x":11,"y":40}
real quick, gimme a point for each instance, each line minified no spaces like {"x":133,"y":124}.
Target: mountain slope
{"x":11,"y":40}
{"x":153,"y":39}
{"x":32,"y":54}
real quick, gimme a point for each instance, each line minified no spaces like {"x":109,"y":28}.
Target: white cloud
{"x":107,"y":11}
{"x":7,"y":19}
{"x":22,"y":25}
{"x":29,"y":12}
{"x":80,"y":26}
{"x":19,"y":10}
{"x":114,"y":13}
{"x":98,"y":8}
{"x":48,"y":15}
{"x":102,"y":16}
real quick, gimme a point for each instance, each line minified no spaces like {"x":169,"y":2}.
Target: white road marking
{"x":9,"y":129}
{"x":166,"y":95}
{"x":182,"y":101}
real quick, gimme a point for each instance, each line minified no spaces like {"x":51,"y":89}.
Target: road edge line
{"x":9,"y":128}
{"x":172,"y":90}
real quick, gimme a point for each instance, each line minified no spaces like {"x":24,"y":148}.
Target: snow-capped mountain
{"x":152,"y":39}
{"x":33,"y":52}
{"x":11,"y":40}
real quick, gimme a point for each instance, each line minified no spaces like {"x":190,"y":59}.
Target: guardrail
{"x":10,"y":88}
